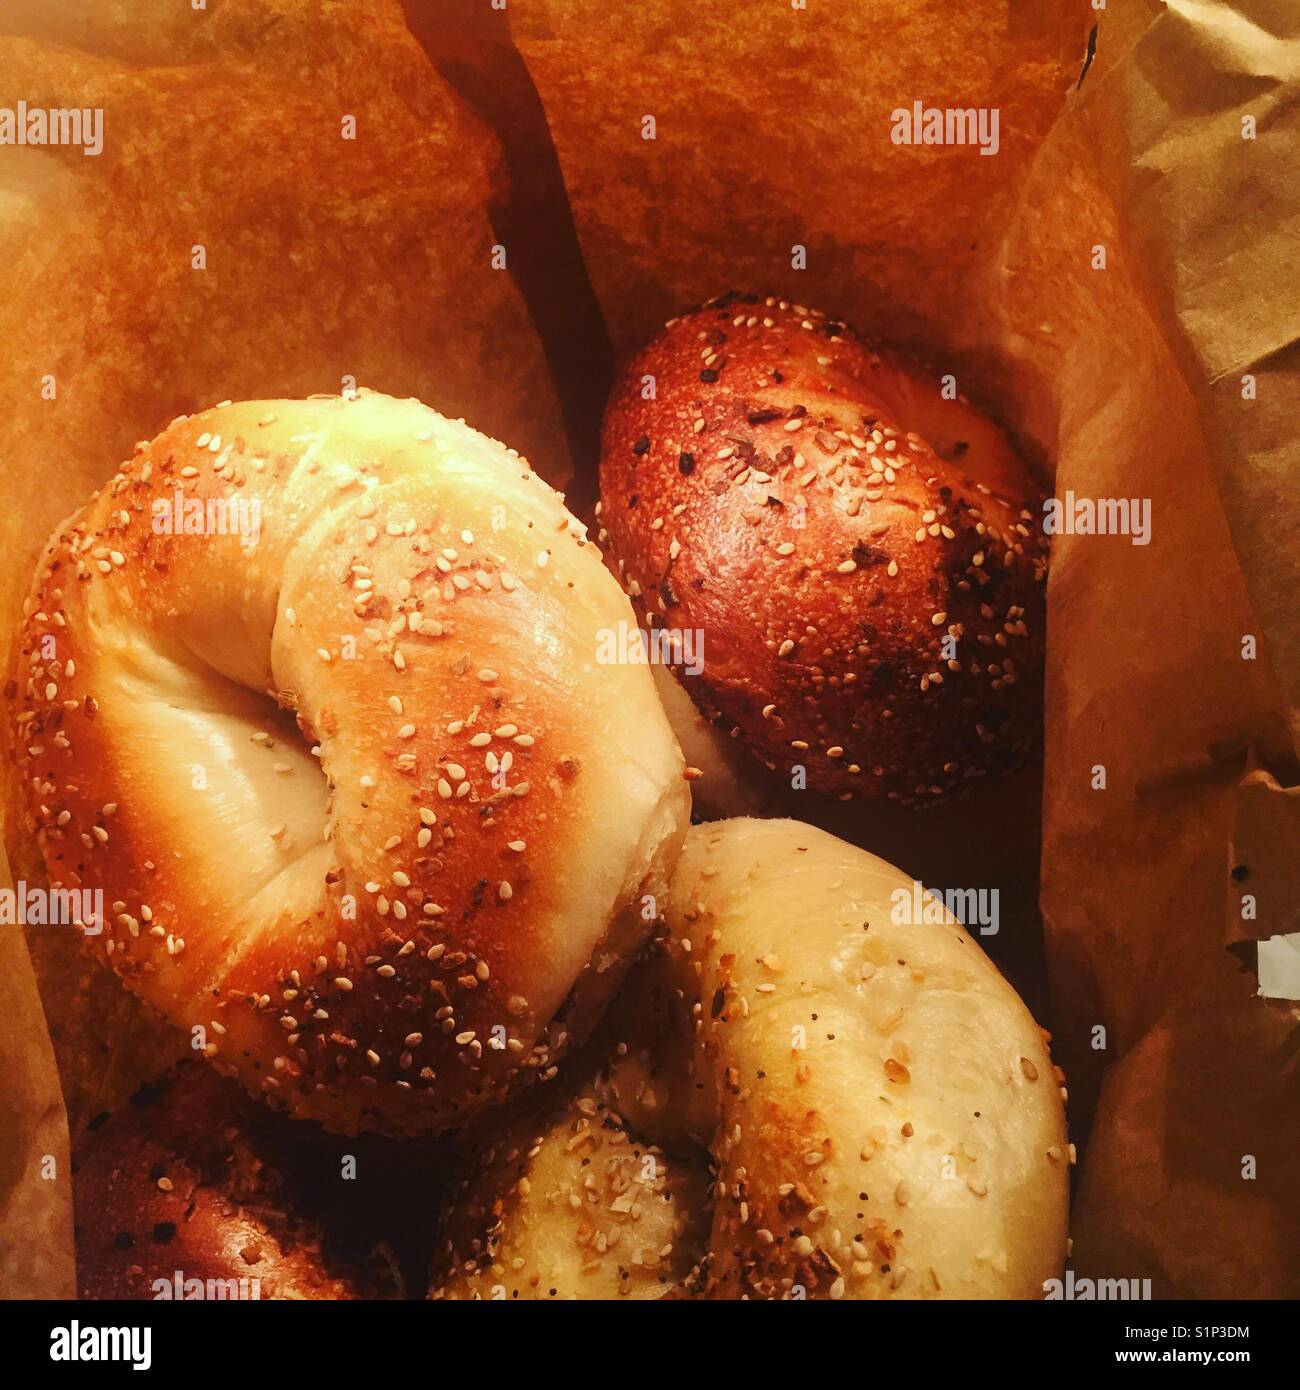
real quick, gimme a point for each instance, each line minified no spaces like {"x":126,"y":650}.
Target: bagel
{"x":881,"y":1112}
{"x":560,"y":1199}
{"x":195,"y":1190}
{"x":343,"y":762}
{"x":857,"y":550}
{"x":591,"y":1187}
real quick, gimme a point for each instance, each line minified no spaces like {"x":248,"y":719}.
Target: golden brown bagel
{"x":882,"y":1114}
{"x":419,"y":903}
{"x":193,"y":1190}
{"x":859,"y":552}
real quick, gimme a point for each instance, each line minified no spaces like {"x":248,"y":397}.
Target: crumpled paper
{"x":770,"y":168}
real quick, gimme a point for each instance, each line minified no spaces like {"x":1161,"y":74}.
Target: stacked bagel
{"x":316,"y":695}
{"x":877,"y":1108}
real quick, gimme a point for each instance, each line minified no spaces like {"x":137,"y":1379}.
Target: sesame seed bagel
{"x":857,"y":550}
{"x":194,"y":1190}
{"x":568,"y":1194}
{"x":561,"y":1200}
{"x":344,"y":763}
{"x":881,"y":1112}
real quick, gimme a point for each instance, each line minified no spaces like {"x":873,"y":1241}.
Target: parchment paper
{"x":524,"y":128}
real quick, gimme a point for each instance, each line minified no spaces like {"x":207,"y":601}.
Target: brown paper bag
{"x":628,"y":160}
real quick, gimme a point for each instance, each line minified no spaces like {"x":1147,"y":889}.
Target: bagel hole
{"x":236,"y":761}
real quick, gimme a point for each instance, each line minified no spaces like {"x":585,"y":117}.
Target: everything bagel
{"x":880,"y":1111}
{"x":310,"y":691}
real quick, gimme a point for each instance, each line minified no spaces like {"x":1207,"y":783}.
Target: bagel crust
{"x":858,"y":550}
{"x":571,"y":1194}
{"x":879,"y":1111}
{"x":193,"y":1189}
{"x":418,"y":898}
{"x":560,"y":1200}
{"x":888,"y":1120}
